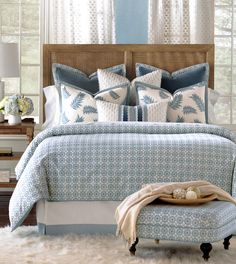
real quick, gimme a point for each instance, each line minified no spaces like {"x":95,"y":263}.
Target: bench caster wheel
{"x":206,"y":249}
{"x":132,"y":249}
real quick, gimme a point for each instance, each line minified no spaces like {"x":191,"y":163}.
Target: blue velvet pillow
{"x":66,"y":74}
{"x":178,"y":79}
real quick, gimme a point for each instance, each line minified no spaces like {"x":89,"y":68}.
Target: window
{"x":20,"y":23}
{"x":225,"y":60}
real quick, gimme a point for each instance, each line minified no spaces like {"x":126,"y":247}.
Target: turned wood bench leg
{"x":132,"y":249}
{"x":226,"y":242}
{"x":206,"y":249}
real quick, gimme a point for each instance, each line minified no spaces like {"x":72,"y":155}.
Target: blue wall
{"x":131,"y":21}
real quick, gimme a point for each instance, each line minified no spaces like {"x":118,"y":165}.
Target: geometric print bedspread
{"x":109,"y":161}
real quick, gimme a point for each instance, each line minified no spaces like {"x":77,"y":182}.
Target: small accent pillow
{"x":77,"y":78}
{"x":109,"y":112}
{"x":108,"y":79}
{"x":80,"y":106}
{"x":178,"y":79}
{"x":187,"y":104}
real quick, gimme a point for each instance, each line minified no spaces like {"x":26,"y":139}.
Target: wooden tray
{"x":189,"y":201}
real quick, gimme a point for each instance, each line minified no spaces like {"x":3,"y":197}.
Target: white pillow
{"x":108,"y":79}
{"x":51,"y":107}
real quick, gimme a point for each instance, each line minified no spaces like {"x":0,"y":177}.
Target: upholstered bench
{"x":205,"y":223}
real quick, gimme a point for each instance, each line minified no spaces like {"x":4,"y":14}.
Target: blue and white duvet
{"x":109,"y":161}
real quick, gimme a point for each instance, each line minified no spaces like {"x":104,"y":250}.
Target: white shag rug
{"x":26,"y":246}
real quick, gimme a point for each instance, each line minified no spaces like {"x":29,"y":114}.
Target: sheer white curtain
{"x":81,"y":21}
{"x":181,"y":21}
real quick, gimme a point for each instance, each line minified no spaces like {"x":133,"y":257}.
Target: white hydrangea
{"x":16,"y":105}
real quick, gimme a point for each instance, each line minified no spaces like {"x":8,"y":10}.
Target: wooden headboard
{"x":88,"y":58}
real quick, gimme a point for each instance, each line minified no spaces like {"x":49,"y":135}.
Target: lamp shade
{"x":9,"y":60}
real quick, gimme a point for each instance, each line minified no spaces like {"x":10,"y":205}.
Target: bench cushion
{"x":208,"y":222}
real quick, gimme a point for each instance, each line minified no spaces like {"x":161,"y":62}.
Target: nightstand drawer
{"x":14,"y":156}
{"x":13,"y":131}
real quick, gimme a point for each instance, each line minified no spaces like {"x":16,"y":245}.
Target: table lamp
{"x":9,"y":66}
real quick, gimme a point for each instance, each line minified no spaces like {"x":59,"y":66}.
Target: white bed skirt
{"x":81,"y":217}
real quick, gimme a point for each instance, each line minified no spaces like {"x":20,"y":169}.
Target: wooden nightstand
{"x":7,"y":188}
{"x":25,"y":128}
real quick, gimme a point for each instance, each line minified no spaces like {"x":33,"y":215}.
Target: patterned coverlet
{"x":109,"y":161}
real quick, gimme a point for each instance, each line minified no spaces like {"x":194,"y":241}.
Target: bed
{"x":78,"y":174}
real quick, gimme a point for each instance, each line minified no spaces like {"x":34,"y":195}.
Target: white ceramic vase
{"x":14,"y":119}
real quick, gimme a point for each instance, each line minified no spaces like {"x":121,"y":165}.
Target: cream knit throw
{"x":127,"y":212}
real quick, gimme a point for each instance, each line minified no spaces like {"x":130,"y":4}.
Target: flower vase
{"x":14,"y":119}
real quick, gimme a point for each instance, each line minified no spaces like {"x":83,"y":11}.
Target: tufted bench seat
{"x":205,"y":223}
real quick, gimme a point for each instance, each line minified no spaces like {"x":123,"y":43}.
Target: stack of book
{"x":5,"y":175}
{"x":5,"y":151}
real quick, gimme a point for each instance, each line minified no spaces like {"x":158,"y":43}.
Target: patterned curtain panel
{"x":181,"y":21}
{"x":81,"y":21}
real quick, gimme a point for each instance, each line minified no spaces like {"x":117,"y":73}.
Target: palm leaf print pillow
{"x":79,"y":105}
{"x":187,"y":104}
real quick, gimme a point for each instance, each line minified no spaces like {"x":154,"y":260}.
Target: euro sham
{"x":69,"y":75}
{"x":178,"y":79}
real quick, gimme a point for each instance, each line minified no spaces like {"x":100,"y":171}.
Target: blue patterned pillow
{"x":178,"y":79}
{"x":78,"y":105}
{"x":66,"y":74}
{"x":109,"y":112}
{"x":187,"y":104}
